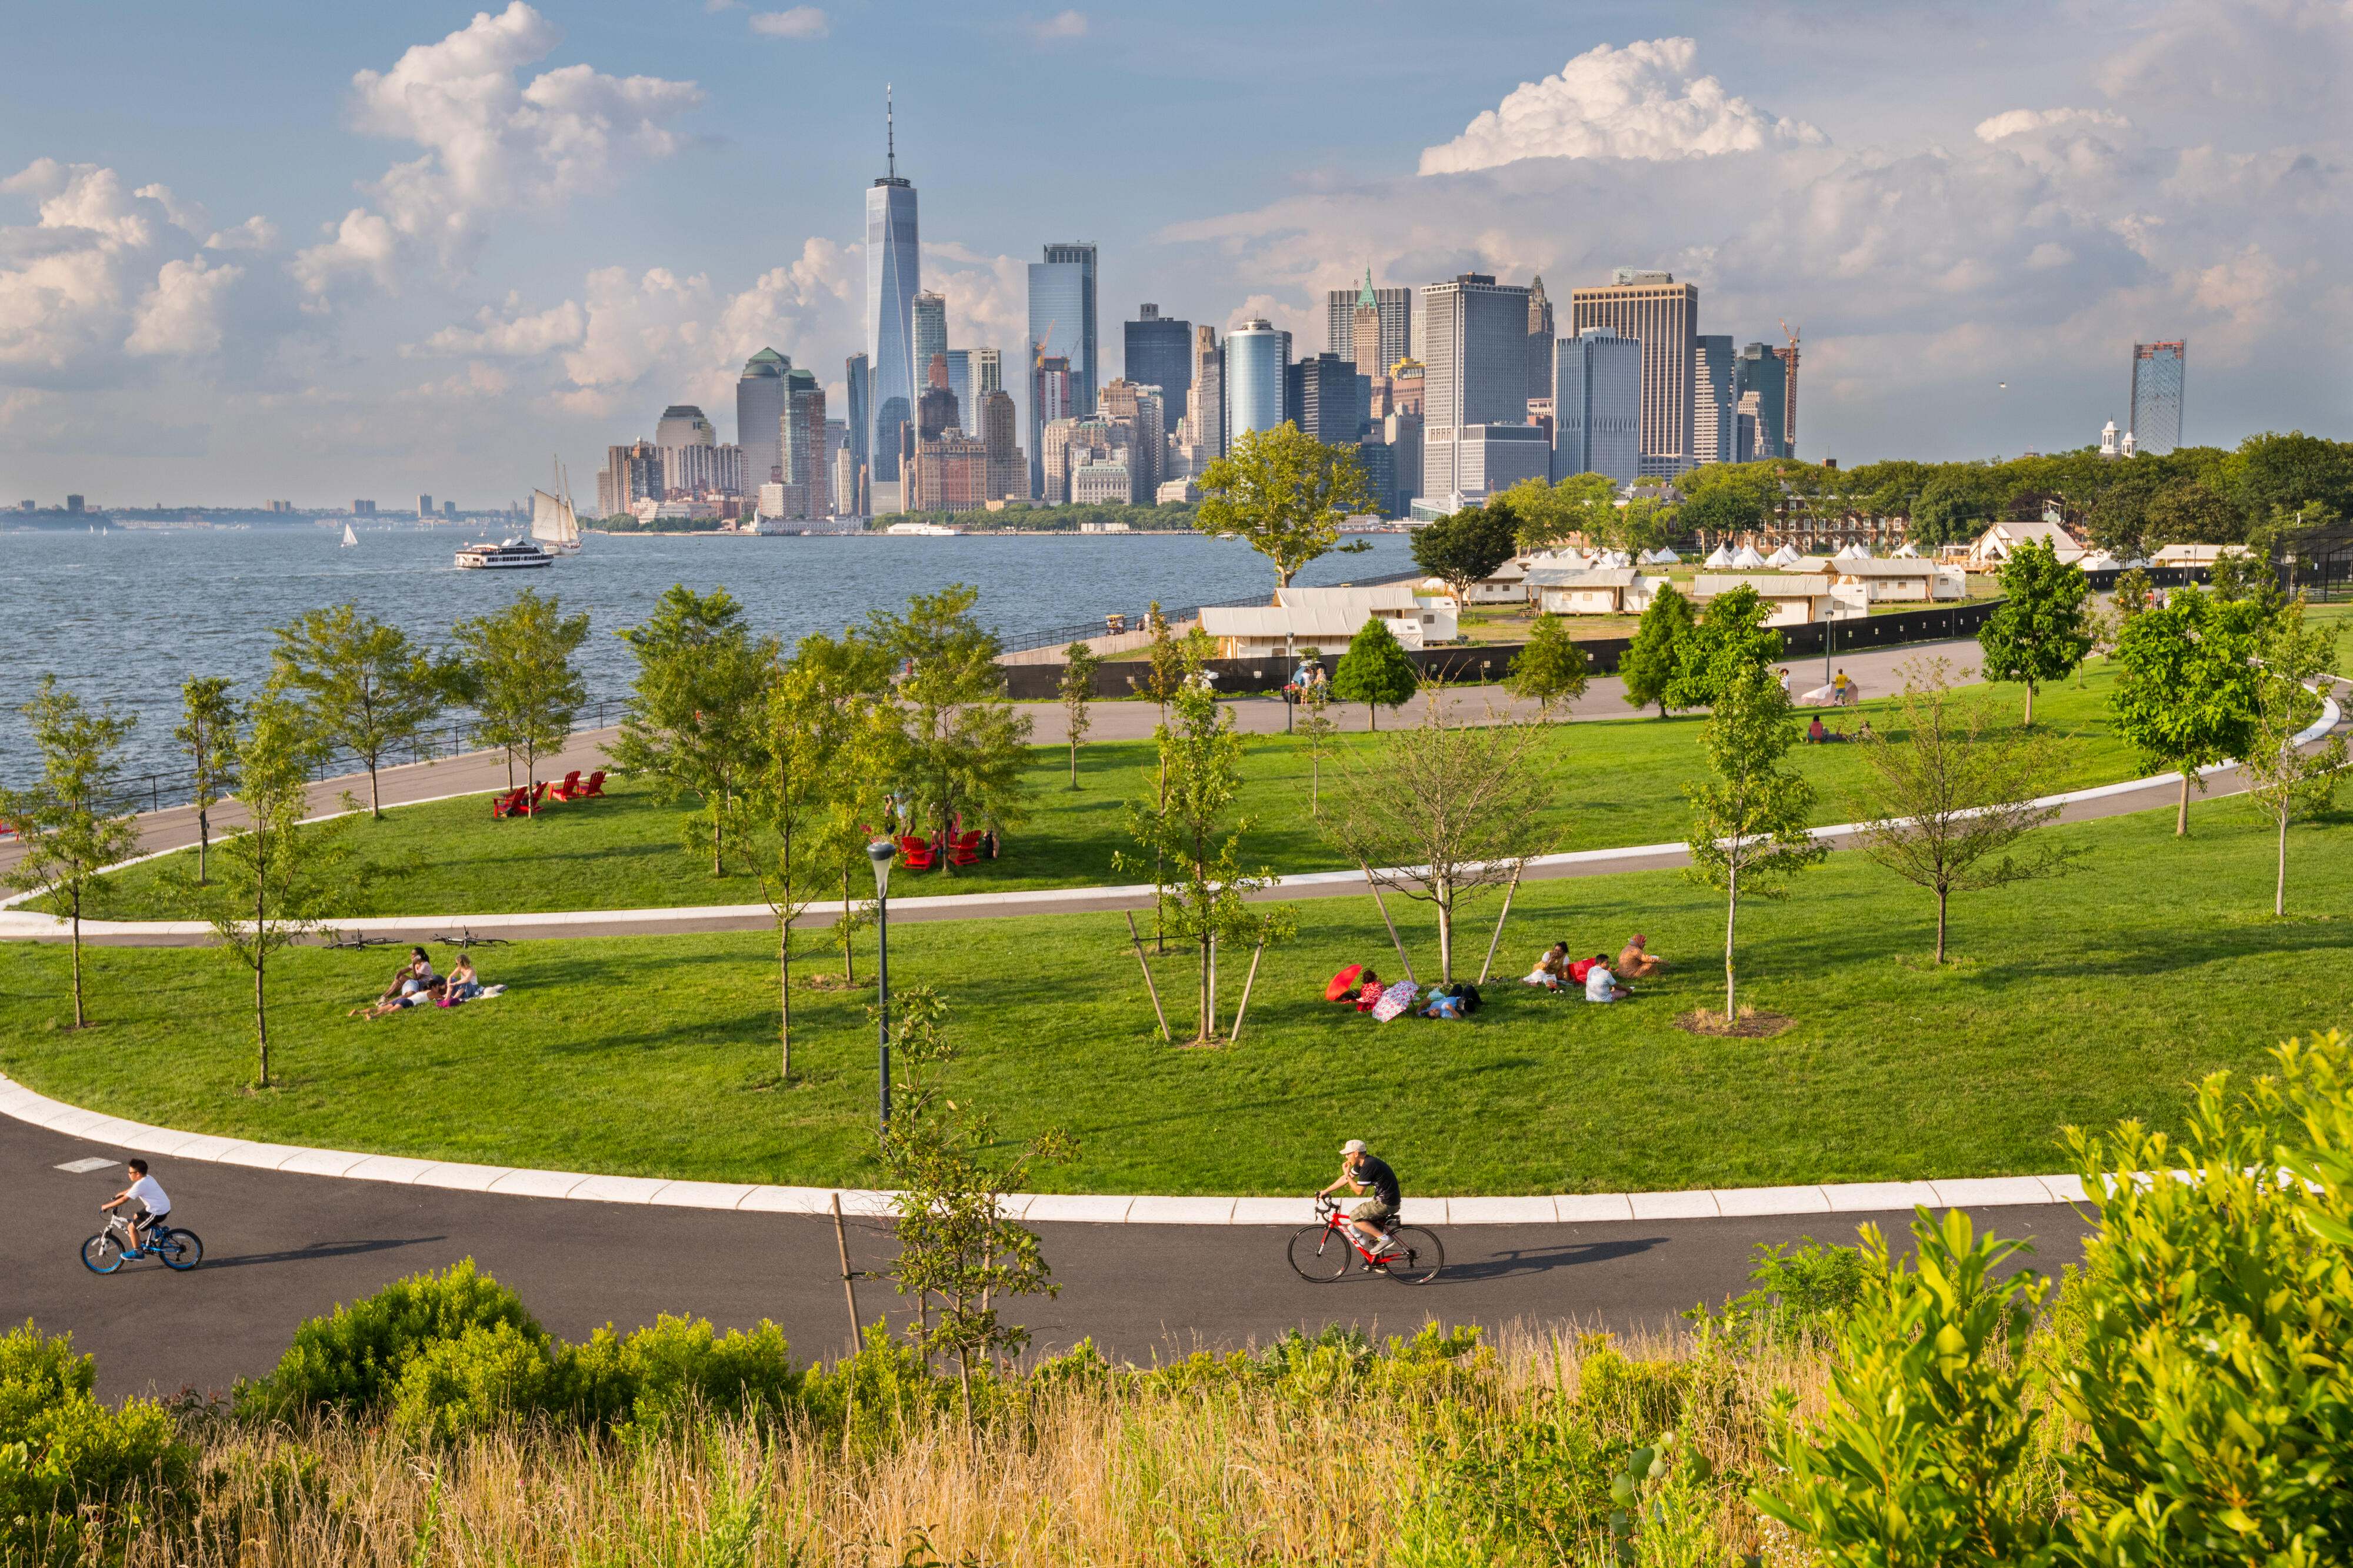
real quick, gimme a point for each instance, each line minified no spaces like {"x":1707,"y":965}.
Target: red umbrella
{"x":1343,"y":983}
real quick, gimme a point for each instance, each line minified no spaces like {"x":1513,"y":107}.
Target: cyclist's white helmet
{"x":1353,"y":1146}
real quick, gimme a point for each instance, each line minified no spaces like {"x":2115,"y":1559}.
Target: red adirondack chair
{"x":510,"y":803}
{"x":569,"y":789}
{"x":963,"y":849}
{"x":594,"y":788}
{"x":915,"y":853}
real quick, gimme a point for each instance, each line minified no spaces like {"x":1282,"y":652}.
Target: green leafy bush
{"x":62,"y":1452}
{"x":354,"y":1359}
{"x":651,"y":1375}
{"x":483,"y":1378}
{"x":1800,"y":1292}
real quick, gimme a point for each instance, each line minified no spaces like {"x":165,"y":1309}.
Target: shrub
{"x":354,"y":1358}
{"x":651,"y":1375}
{"x":486,"y":1376}
{"x":62,"y":1452}
{"x":1804,"y":1292}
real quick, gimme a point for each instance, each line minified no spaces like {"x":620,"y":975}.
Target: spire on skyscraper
{"x":1364,"y":300}
{"x":890,"y":133}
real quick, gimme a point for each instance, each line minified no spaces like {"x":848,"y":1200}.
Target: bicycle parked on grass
{"x":111,"y":1248}
{"x":1321,"y":1252}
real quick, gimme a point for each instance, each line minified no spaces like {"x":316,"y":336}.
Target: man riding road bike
{"x":1360,"y":1171}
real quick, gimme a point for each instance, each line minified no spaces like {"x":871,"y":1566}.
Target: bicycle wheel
{"x":180,"y":1249}
{"x":1319,"y":1255}
{"x":1418,"y":1258}
{"x":102,"y":1253}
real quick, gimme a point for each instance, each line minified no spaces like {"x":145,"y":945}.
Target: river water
{"x":124,"y":617}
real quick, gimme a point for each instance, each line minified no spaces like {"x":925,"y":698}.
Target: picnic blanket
{"x":1395,"y":1001}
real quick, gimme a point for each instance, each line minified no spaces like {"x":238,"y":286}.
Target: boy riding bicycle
{"x":149,"y":1204}
{"x":1370,"y":1219}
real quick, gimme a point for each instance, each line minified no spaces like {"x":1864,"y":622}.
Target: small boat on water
{"x":924,"y":529}
{"x":505,"y":556}
{"x":350,"y":538}
{"x":553,"y":525}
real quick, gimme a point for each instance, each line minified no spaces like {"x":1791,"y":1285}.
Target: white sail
{"x":350,"y":538}
{"x":552,"y":524}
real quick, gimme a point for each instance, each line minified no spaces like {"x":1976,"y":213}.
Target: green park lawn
{"x":2084,"y":1000}
{"x":1620,"y":782}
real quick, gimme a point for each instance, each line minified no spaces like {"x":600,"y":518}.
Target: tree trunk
{"x":784,"y":1000}
{"x":1201,"y":1008}
{"x":849,"y":954}
{"x":1445,"y":934}
{"x":2030,"y":703}
{"x":2279,"y":881}
{"x":79,"y":1019}
{"x":1373,"y":717}
{"x":260,"y":959}
{"x":2181,"y":815}
{"x":1731,"y":915}
{"x":376,"y":797}
{"x":718,"y":831}
{"x":204,"y":844}
{"x":1074,"y":758}
{"x":1943,"y":896}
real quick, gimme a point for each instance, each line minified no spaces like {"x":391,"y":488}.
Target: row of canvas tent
{"x":1745,"y":559}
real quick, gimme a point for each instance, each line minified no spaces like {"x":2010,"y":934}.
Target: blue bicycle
{"x":111,"y":1248}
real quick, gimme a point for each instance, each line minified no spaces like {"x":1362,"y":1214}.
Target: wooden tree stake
{"x":1252,"y":979}
{"x":1496,"y":941}
{"x":1154,"y":990}
{"x":1395,"y":941}
{"x":849,"y":1289}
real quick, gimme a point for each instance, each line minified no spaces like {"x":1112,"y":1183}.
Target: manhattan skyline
{"x":289,"y":253}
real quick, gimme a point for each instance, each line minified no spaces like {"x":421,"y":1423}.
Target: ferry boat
{"x":925,"y":529}
{"x":505,"y":556}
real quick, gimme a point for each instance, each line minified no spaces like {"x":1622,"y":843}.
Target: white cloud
{"x":256,"y":233}
{"x":512,"y":334}
{"x":1061,"y":27}
{"x":800,"y":22}
{"x":2194,"y":55}
{"x":181,"y":313}
{"x":492,"y":142}
{"x":2020,"y":122}
{"x":1640,"y":101}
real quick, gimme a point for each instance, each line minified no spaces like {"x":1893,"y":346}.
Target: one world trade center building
{"x":893,"y":274}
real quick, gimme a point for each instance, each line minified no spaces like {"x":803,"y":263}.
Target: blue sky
{"x":321,"y":252}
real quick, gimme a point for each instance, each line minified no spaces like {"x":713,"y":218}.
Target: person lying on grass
{"x":413,"y":975}
{"x":1636,"y":961}
{"x":419,"y":997}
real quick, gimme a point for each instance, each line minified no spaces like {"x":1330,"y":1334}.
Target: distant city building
{"x":1540,"y":339}
{"x":1176,"y":492}
{"x":1008,"y":478}
{"x":1713,"y":399}
{"x":1063,"y":326}
{"x":1400,"y":432}
{"x":1159,"y":351}
{"x":1491,"y":459}
{"x":1102,"y":482}
{"x":2157,"y":378}
{"x":424,"y":505}
{"x":682,"y":425}
{"x":1393,"y":308}
{"x":895,"y":271}
{"x":936,"y":410}
{"x":74,"y":503}
{"x":987,"y":373}
{"x":1205,"y":404}
{"x":759,"y":410}
{"x":845,"y":482}
{"x":1143,"y":412}
{"x":1255,"y":357}
{"x":931,"y":333}
{"x":1378,"y":459}
{"x":951,"y":473}
{"x":1597,"y":406}
{"x":698,"y":471}
{"x":857,"y":375}
{"x":359,"y":508}
{"x":1763,"y":370}
{"x":1051,"y":399}
{"x":1475,"y":332}
{"x":1405,"y":387}
{"x":1662,"y":315}
{"x":449,"y":511}
{"x":803,"y":465}
{"x":632,"y":473}
{"x":1325,"y":397}
{"x":960,"y":383}
{"x":1053,"y":462}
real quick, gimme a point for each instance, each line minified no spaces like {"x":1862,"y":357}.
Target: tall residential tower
{"x":2157,"y":379}
{"x":1661,"y":315}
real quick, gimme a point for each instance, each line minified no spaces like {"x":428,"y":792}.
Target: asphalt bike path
{"x":281,"y":1248}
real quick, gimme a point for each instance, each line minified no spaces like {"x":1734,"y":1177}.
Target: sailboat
{"x":350,"y":538}
{"x":552,"y":524}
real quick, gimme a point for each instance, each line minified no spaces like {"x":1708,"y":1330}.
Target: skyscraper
{"x":1324,"y":396}
{"x":1007,"y":478}
{"x":1476,"y":334}
{"x":683,"y":428}
{"x":1597,"y":406}
{"x":1394,"y":309}
{"x":930,"y":317}
{"x":858,"y":371}
{"x":1712,"y":399}
{"x":936,"y":409}
{"x":759,"y":407}
{"x":1661,"y":315}
{"x":1063,"y":326}
{"x":893,"y":275}
{"x":2157,"y":377}
{"x":960,"y":383}
{"x":1540,"y":339}
{"x":1143,"y":410}
{"x":1255,"y":353}
{"x":802,"y":465}
{"x":1160,"y":353}
{"x":1205,"y":409}
{"x":1763,"y":369}
{"x":987,"y":374}
{"x":1364,"y":333}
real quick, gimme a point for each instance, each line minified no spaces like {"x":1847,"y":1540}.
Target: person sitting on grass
{"x":1369,"y":991}
{"x":1547,"y":972}
{"x":1815,"y":733}
{"x":1636,"y":961}
{"x":423,"y":996}
{"x":1578,"y":971}
{"x":413,"y":975}
{"x":463,"y":984}
{"x":1601,"y":985}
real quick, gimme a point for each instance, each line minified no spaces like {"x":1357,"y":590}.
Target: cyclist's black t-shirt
{"x":1376,"y":1174}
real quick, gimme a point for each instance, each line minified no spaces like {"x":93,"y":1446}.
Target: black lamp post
{"x":882,"y":852}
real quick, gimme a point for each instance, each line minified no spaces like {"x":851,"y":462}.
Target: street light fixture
{"x":882,"y":852}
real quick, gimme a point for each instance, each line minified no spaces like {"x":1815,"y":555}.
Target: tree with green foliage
{"x":1375,"y":671}
{"x":1582,"y":506}
{"x":521,"y":670}
{"x":962,"y":745}
{"x":82,"y":1475}
{"x":1551,"y":668}
{"x":2132,"y":595}
{"x":775,"y":822}
{"x":69,"y":835}
{"x":842,"y":688}
{"x":1164,"y":662}
{"x":2189,"y":512}
{"x":1955,"y":506}
{"x":1722,"y":513}
{"x":280,"y":877}
{"x":1314,"y":725}
{"x":2285,"y":781}
{"x":2247,"y":577}
{"x":1661,"y":642}
{"x":1081,"y":666}
{"x":1191,"y":828}
{"x":694,"y":717}
{"x":1748,"y":816}
{"x":206,"y":736}
{"x":2185,"y":686}
{"x":2040,"y":632}
{"x":1284,"y":494}
{"x":364,"y":683}
{"x":1943,"y":801}
{"x":1467,"y":547}
{"x":2271,"y":472}
{"x":1730,"y":639}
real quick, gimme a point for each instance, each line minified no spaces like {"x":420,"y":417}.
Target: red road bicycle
{"x":1321,"y":1252}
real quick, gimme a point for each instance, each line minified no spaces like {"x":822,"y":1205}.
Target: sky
{"x":284,"y":250}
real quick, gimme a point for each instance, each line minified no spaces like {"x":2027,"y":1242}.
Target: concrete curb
{"x":1043,"y":1208}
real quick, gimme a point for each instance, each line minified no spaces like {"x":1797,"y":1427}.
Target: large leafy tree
{"x":697,"y":710}
{"x":1375,"y":671}
{"x":1730,"y":639}
{"x":1956,"y":504}
{"x":2189,"y":512}
{"x":1661,"y":642}
{"x":1582,"y":506}
{"x":2041,"y":630}
{"x":1724,"y":512}
{"x":2186,"y":685}
{"x":1748,"y":816}
{"x":364,"y":684}
{"x":1467,"y":547}
{"x":1551,"y":668}
{"x":207,"y":735}
{"x":2273,"y":471}
{"x":1283,"y":493}
{"x":963,"y":745}
{"x":66,"y":822}
{"x":520,"y":667}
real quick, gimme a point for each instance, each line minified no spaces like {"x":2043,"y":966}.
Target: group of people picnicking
{"x":1601,"y":978}
{"x":1359,"y":986}
{"x":415,"y":984}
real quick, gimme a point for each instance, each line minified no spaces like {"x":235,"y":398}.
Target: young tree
{"x":2251,"y":577}
{"x":1730,"y":640}
{"x":1445,"y":811}
{"x":1943,"y":801}
{"x":1467,"y":547}
{"x":694,"y":717}
{"x":207,"y":734}
{"x":70,"y":837}
{"x":2132,"y":593}
{"x":1164,"y":662}
{"x":2282,"y":782}
{"x":1192,"y":831}
{"x":1080,"y":667}
{"x":1551,"y":668}
{"x":364,"y":684}
{"x":845,"y":685}
{"x":964,"y":746}
{"x":1316,"y":731}
{"x":959,"y":1256}
{"x":1283,"y":493}
{"x":776,"y":825}
{"x":280,"y":879}
{"x":521,"y":672}
{"x":1748,"y":819}
{"x":1661,"y":642}
{"x":2040,"y":632}
{"x":2186,"y":681}
{"x":1375,"y":671}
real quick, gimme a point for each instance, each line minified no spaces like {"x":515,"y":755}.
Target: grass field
{"x":1620,"y":782}
{"x":2084,"y":1000}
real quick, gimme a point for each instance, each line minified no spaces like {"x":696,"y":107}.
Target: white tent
{"x":1848,"y":552}
{"x":2138,"y":561}
{"x":1719,"y":559}
{"x":1662,"y":556}
{"x":2098,"y":561}
{"x":1783,"y":556}
{"x":1905,"y":552}
{"x":1747,"y":560}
